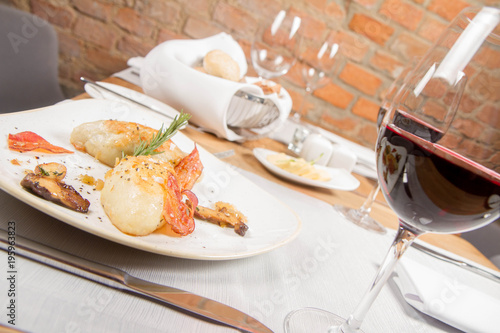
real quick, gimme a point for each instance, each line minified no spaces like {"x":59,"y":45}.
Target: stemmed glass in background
{"x":438,"y":175}
{"x":317,"y":63}
{"x":272,"y":51}
{"x":361,"y":216}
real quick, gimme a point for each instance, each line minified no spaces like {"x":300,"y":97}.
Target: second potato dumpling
{"x":141,"y":193}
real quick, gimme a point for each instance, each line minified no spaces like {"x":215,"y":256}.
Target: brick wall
{"x":378,"y":38}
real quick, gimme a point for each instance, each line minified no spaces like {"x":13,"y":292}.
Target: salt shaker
{"x":299,"y":136}
{"x":316,"y":148}
{"x":342,"y":157}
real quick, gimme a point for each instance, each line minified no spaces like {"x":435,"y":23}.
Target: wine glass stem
{"x":401,"y":242}
{"x":297,"y":114}
{"x":366,"y":208}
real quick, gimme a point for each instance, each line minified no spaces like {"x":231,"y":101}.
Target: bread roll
{"x":220,"y":64}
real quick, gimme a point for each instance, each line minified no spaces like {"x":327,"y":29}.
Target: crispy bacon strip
{"x":189,"y":170}
{"x":29,"y":141}
{"x":177,"y":213}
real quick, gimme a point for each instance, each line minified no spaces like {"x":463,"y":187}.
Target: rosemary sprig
{"x":149,"y":147}
{"x":43,"y":172}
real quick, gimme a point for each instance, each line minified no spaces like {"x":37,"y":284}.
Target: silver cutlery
{"x":97,"y":85}
{"x":441,"y":256}
{"x":100,"y":86}
{"x":224,"y":154}
{"x":118,"y":279}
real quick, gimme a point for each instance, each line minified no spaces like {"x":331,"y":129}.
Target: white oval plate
{"x":340,"y":178}
{"x":271,"y":223}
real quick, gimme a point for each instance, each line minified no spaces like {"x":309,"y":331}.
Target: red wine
{"x":431,"y":188}
{"x":414,"y":126}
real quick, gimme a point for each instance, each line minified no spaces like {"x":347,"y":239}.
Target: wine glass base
{"x":357,"y":217}
{"x":308,"y":320}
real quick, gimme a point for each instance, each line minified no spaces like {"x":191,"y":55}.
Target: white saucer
{"x":340,"y":178}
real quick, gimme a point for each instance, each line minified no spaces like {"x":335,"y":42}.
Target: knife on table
{"x":476,"y":269}
{"x":117,"y":94}
{"x":118,"y":279}
{"x":97,"y":86}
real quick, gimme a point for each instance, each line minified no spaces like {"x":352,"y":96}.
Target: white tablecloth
{"x":329,"y":266}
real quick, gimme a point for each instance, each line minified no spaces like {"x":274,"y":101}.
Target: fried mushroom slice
{"x":224,"y":214}
{"x":53,"y":170}
{"x":55,"y":190}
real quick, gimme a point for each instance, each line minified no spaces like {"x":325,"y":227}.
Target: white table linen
{"x":328,"y":266}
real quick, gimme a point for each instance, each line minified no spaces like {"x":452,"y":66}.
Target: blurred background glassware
{"x":299,"y":136}
{"x":272,"y":51}
{"x":317,"y":64}
{"x":361,"y":216}
{"x":433,"y":170}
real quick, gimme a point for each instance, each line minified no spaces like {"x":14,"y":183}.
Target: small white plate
{"x":340,"y":178}
{"x":141,"y":98}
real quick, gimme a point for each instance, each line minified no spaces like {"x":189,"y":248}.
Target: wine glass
{"x":272,"y":51}
{"x":436,"y":173}
{"x":318,"y":63}
{"x":361,"y":216}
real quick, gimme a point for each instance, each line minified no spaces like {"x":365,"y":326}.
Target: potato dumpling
{"x":134,"y":192}
{"x":109,"y":140}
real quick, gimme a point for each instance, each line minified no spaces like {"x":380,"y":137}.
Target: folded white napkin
{"x":167,"y":73}
{"x":456,"y":299}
